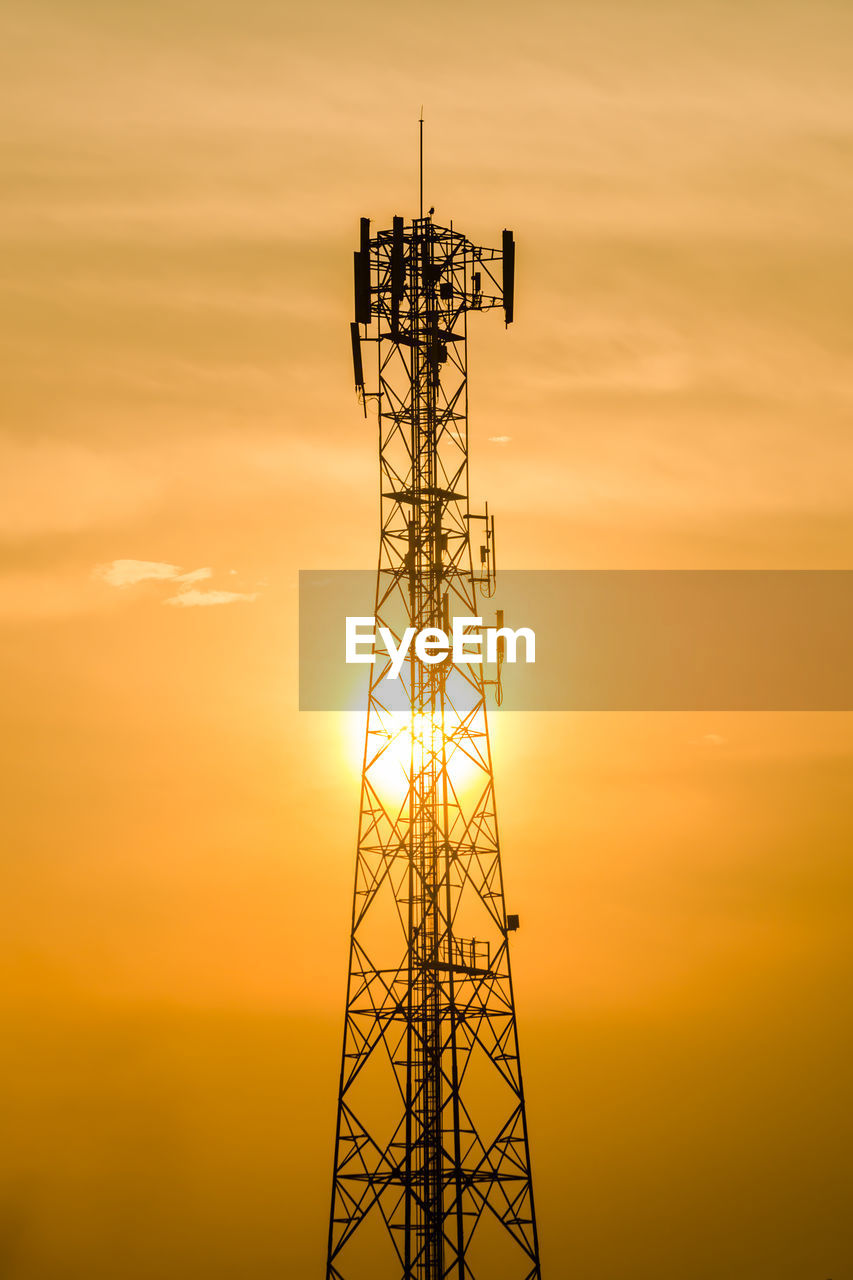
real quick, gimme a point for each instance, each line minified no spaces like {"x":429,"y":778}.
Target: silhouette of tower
{"x":431,"y":1167}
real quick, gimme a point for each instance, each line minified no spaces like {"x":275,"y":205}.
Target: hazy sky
{"x":182,"y":183}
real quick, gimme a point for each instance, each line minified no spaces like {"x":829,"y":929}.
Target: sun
{"x":399,"y":746}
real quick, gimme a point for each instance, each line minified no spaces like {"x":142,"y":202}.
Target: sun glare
{"x":397,"y":744}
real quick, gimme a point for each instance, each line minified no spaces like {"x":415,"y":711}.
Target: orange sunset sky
{"x":182,"y":183}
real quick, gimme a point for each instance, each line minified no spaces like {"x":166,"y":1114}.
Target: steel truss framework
{"x":431,"y":1168}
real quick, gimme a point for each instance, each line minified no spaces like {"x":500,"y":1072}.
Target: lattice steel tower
{"x":431,"y":1168}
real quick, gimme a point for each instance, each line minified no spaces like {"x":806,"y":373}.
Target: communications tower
{"x":431,"y":1167}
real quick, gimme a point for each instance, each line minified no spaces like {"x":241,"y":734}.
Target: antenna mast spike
{"x":421,"y":164}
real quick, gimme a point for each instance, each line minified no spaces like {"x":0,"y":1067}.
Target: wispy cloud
{"x":130,"y":573}
{"x":127,"y":573}
{"x":189,"y":599}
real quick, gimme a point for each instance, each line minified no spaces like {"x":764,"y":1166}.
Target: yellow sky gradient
{"x":182,"y":187}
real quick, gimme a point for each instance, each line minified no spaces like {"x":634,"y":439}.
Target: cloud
{"x":127,"y":573}
{"x":188,"y":599}
{"x":195,"y":575}
{"x":499,"y":439}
